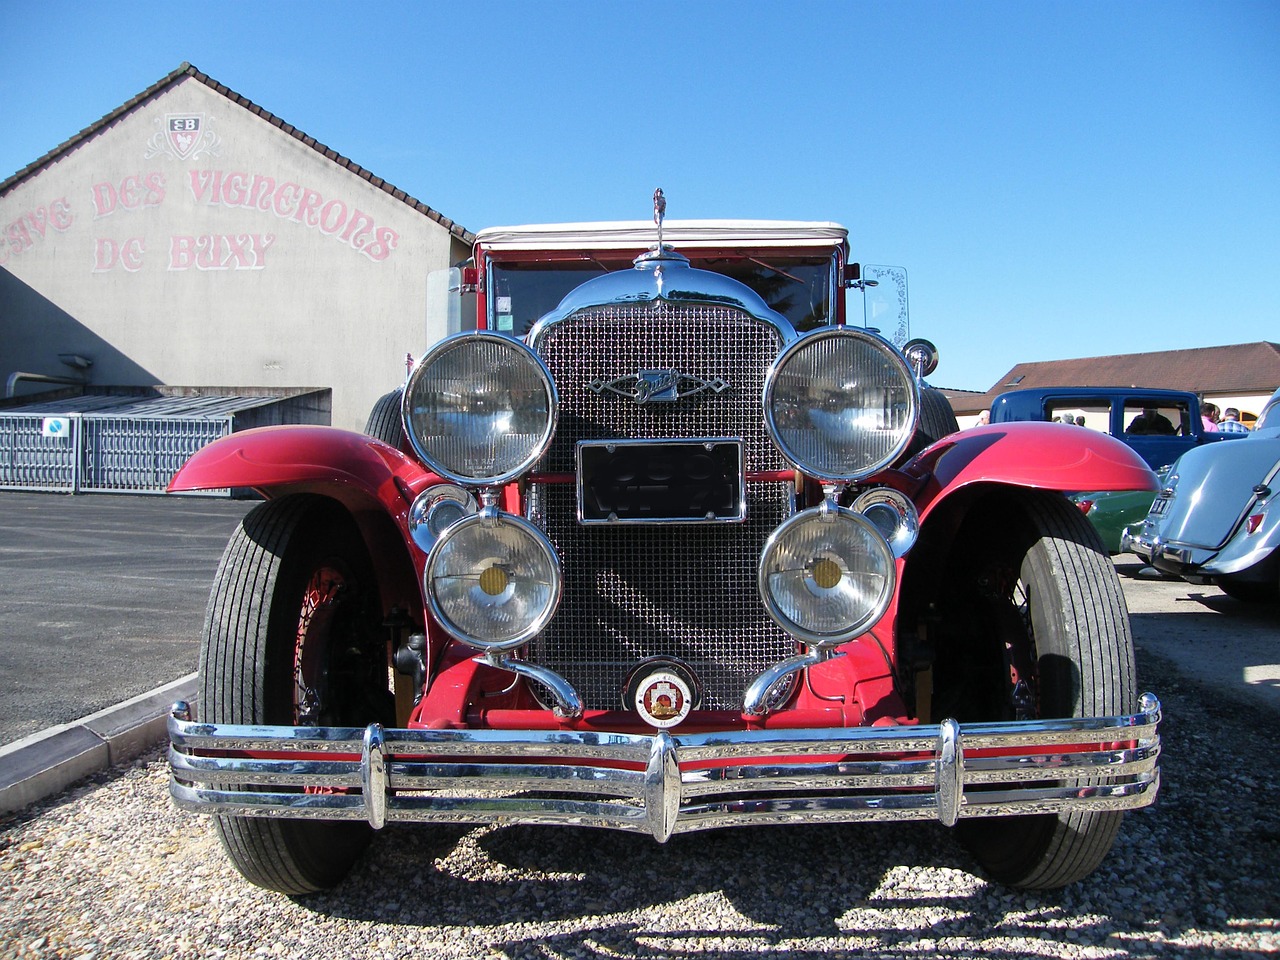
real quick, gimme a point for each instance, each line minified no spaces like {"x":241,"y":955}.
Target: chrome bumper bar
{"x":668,"y":784}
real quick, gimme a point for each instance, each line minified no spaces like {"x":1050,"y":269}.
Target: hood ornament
{"x":661,"y":254}
{"x":659,"y":212}
{"x":658,"y":386}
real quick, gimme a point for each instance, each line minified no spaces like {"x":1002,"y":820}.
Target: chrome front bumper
{"x":667,"y":784}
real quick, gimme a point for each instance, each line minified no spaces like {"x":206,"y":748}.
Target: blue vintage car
{"x":1159,"y":425}
{"x":1217,"y":518}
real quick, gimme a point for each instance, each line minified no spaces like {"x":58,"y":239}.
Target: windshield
{"x":799,"y":288}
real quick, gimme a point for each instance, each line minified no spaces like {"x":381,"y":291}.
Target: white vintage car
{"x":1217,"y":519}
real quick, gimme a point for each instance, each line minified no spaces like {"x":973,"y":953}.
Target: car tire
{"x":937,"y":420}
{"x":291,"y":638}
{"x":1040,"y":582}
{"x":385,"y":422}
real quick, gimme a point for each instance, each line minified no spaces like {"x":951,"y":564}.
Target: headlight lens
{"x":493,"y":580}
{"x":841,"y":404}
{"x":826,"y":575}
{"x":480,"y":408}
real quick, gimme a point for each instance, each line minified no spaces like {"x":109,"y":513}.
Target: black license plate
{"x":671,"y":481}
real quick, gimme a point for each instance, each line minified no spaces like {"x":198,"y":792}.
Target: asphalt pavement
{"x":101,"y":602}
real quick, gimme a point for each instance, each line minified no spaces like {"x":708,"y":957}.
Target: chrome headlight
{"x":826,"y":575}
{"x":480,"y":408}
{"x":493,"y":580}
{"x":841,"y":404}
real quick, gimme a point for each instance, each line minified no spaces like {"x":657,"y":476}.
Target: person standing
{"x":1209,"y":417}
{"x":1230,"y":422}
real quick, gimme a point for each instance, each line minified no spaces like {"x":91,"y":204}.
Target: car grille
{"x":638,"y":591}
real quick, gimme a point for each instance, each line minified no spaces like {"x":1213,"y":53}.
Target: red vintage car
{"x":664,"y":541}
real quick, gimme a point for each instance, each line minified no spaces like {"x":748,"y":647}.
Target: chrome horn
{"x":893,"y":514}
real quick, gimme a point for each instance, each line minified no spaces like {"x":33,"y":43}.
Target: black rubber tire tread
{"x":937,"y":420}
{"x":1085,"y":654}
{"x":245,"y":610}
{"x":385,"y":422}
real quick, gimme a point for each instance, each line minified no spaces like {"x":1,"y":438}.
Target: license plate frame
{"x":686,"y":481}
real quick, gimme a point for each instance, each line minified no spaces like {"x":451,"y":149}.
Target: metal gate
{"x":100,"y":453}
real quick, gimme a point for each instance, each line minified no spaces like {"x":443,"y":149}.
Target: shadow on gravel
{"x":1203,"y":859}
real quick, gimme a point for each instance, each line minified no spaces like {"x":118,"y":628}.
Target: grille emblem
{"x":659,"y":386}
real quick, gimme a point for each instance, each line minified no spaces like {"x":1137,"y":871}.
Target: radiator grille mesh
{"x":633,"y":592}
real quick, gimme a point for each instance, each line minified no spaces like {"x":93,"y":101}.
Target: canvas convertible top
{"x":685,"y":233}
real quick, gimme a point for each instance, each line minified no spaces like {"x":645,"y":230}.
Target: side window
{"x":1151,"y":418}
{"x":1091,"y":413}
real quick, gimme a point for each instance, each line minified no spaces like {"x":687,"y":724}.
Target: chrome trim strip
{"x":659,"y":784}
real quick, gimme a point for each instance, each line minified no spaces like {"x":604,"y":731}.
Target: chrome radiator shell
{"x":637,"y":591}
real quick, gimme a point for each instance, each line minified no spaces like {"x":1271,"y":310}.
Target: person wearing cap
{"x":1230,"y":422}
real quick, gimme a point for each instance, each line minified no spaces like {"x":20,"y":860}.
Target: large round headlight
{"x":841,"y":404}
{"x":480,"y":408}
{"x":493,"y":580}
{"x":826,"y":575}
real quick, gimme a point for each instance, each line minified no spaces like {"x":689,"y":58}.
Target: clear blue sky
{"x":1060,"y":179}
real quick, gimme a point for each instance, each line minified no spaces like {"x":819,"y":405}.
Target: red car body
{"x":961,"y":693}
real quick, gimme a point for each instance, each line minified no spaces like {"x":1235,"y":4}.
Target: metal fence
{"x":100,"y":453}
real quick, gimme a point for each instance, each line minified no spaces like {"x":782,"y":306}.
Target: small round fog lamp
{"x":493,"y":580}
{"x":826,"y":575}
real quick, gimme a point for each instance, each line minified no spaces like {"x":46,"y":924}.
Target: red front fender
{"x":1042,"y":456}
{"x":350,"y":467}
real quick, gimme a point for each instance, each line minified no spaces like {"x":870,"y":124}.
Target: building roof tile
{"x":1235,"y":369}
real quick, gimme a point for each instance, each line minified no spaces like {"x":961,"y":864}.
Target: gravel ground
{"x":111,"y":870}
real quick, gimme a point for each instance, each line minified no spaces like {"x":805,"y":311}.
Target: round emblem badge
{"x":663,"y":699}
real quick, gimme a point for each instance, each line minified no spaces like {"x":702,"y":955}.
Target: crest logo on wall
{"x":183,"y":136}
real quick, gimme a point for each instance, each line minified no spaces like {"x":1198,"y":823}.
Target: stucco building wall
{"x":190,"y":240}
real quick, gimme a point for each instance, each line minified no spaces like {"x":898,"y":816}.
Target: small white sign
{"x":55,"y":427}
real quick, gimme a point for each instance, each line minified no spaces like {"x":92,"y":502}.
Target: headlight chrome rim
{"x":501,"y":587}
{"x":823,"y":574}
{"x":778,"y":408}
{"x":434,"y":455}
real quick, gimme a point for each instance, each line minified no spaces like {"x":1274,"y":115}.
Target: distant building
{"x":191,"y":238}
{"x":1241,"y":375}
